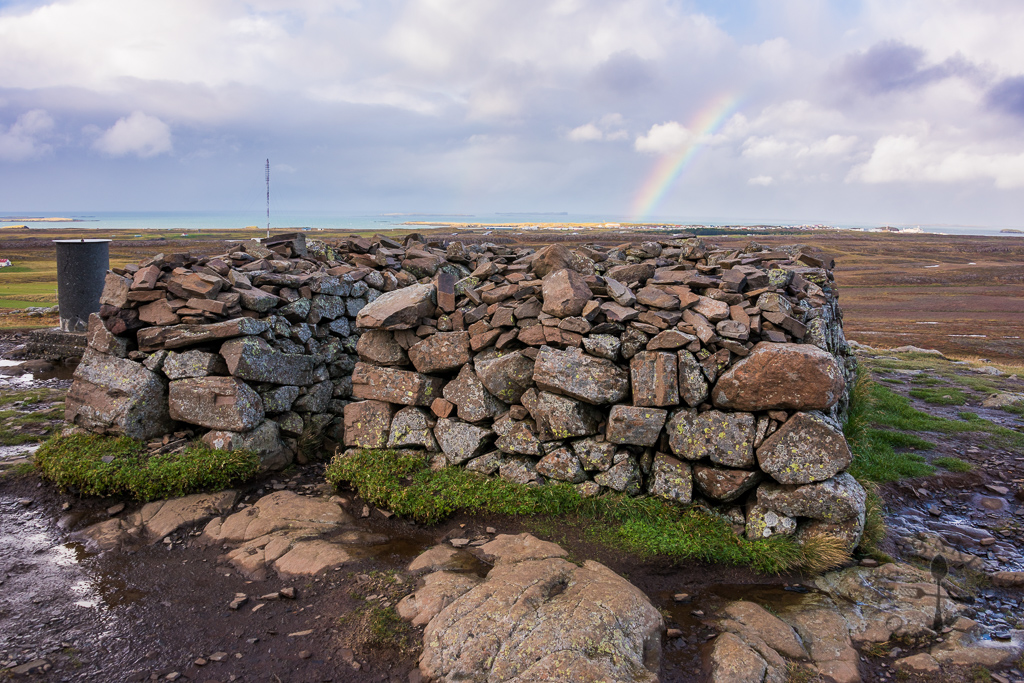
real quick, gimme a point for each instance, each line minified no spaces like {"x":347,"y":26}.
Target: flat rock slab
{"x":781,"y":377}
{"x":535,"y":617}
{"x":282,"y":510}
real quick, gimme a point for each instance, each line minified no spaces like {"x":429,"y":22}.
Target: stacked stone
{"x":672,"y":368}
{"x":254,"y":346}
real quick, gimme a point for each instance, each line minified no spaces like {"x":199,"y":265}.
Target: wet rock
{"x":655,"y":379}
{"x":781,"y":376}
{"x":117,"y":396}
{"x":223,"y":403}
{"x":750,"y":619}
{"x":412,"y":427}
{"x":441,"y":352}
{"x":253,"y":359}
{"x":572,"y":373}
{"x":380,"y":347}
{"x":367,"y":424}
{"x":505,"y":375}
{"x":472,"y":399}
{"x":671,"y":479}
{"x":558,"y":417}
{"x":401,"y":309}
{"x":164,"y":517}
{"x":726,"y":438}
{"x":722,"y":484}
{"x":461,"y":441}
{"x":806,"y":448}
{"x":635,"y":425}
{"x":394,"y":386}
{"x":578,"y":623}
{"x":440,"y":589}
{"x":565,"y":293}
{"x":265,"y":440}
{"x":827,"y":640}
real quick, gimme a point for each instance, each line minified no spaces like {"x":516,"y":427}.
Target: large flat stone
{"x":575,"y":374}
{"x":635,"y":425}
{"x":441,"y":352}
{"x":726,"y":438}
{"x":215,"y":402}
{"x":401,"y":309}
{"x":781,"y":377}
{"x":178,"y":336}
{"x":394,"y":386}
{"x":805,"y":448}
{"x":253,"y":359}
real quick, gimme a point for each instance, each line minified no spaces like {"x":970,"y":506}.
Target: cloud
{"x":903,"y":158}
{"x":894,"y":66}
{"x":663,"y":137}
{"x":762,"y":180}
{"x":588,"y":132}
{"x":608,"y":128}
{"x":1008,"y":96}
{"x":624,"y":73}
{"x":23,"y":139}
{"x":139,"y":134}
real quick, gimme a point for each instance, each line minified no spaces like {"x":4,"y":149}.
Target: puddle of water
{"x":55,"y":371}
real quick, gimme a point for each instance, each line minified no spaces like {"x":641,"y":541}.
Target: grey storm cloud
{"x":1008,"y":96}
{"x":892,"y":65}
{"x":625,"y":72}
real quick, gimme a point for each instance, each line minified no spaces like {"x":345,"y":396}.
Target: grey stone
{"x":806,"y":448}
{"x":561,"y":464}
{"x":726,"y":438}
{"x":671,"y":479}
{"x":412,"y":427}
{"x":505,"y":375}
{"x":461,"y":441}
{"x":623,"y":477}
{"x":572,"y":373}
{"x":193,"y":364}
{"x":638,"y":426}
{"x":223,"y":403}
{"x":253,"y":359}
{"x":594,"y":454}
{"x":559,"y":417}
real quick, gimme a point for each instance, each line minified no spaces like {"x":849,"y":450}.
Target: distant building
{"x":5,"y":262}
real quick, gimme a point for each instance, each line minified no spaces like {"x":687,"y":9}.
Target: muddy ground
{"x":161,"y":612}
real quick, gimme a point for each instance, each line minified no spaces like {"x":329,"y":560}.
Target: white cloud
{"x":903,"y":158}
{"x":139,"y":134}
{"x":588,"y":132}
{"x":609,"y":127}
{"x":663,"y":137}
{"x":762,"y":180}
{"x":23,"y":139}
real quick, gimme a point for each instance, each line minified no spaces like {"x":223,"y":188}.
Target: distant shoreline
{"x":51,"y":219}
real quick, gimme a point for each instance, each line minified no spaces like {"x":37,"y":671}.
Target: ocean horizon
{"x":285,"y":220}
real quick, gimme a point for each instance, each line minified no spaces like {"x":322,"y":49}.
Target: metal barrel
{"x":81,"y":272}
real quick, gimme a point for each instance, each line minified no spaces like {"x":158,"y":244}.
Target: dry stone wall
{"x":671,"y":368}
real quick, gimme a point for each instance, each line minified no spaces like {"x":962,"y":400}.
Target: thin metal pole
{"x":268,"y":199}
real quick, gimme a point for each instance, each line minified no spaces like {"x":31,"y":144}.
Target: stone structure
{"x":669,"y":368}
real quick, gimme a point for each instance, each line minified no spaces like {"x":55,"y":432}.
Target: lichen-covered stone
{"x":413,"y":427}
{"x":623,"y":477}
{"x":401,"y":309}
{"x":726,"y":438}
{"x":505,"y":375}
{"x":178,"y":336}
{"x":635,"y":425}
{"x":693,"y":387}
{"x":671,"y":479}
{"x":805,"y":448}
{"x":571,"y":372}
{"x":193,"y":363}
{"x":367,"y":424}
{"x":380,"y":347}
{"x":223,"y":403}
{"x":559,"y":417}
{"x":473,"y":400}
{"x":765,"y":523}
{"x":316,"y":398}
{"x":461,"y":441}
{"x":519,"y":469}
{"x":394,"y":386}
{"x":519,"y":438}
{"x":781,"y":377}
{"x":722,"y":484}
{"x":279,"y":399}
{"x":441,"y":352}
{"x":113,"y":395}
{"x":833,"y":500}
{"x":655,"y":379}
{"x":265,"y":440}
{"x":253,"y":359}
{"x":594,"y":453}
{"x":562,"y":465}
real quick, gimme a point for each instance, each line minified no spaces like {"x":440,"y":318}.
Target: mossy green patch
{"x":95,"y":465}
{"x":940,"y":395}
{"x":405,"y":485}
{"x":953,"y":464}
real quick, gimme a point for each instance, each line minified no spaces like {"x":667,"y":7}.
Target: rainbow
{"x":668,"y":168}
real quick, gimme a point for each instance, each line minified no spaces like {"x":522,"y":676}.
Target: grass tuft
{"x":824,"y":552}
{"x":405,"y":485}
{"x":953,"y":464}
{"x":76,"y":462}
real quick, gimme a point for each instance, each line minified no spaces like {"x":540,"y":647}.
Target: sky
{"x":831,"y":111}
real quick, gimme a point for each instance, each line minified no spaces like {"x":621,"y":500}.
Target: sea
{"x":192,"y":221}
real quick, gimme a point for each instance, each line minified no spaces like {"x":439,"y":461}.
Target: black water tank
{"x":81,"y":271}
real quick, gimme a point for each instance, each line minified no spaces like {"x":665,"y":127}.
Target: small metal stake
{"x":940,"y":569}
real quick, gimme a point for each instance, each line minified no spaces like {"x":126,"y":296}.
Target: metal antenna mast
{"x":268,"y":199}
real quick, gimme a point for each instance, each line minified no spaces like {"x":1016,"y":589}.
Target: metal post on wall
{"x":81,"y":273}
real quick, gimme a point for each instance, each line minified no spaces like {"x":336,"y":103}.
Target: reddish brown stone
{"x":565,"y":293}
{"x":146,"y":278}
{"x":398,"y":310}
{"x":658,"y":298}
{"x":381,"y":348}
{"x":441,"y":352}
{"x":555,"y":257}
{"x":442,"y":407}
{"x":474,"y":402}
{"x":115,"y":290}
{"x":177,"y":336}
{"x":215,"y":402}
{"x":655,"y":378}
{"x":634,"y":272}
{"x":394,"y":386}
{"x":367,"y":424}
{"x":724,"y":485}
{"x":635,"y":425}
{"x":571,"y":372}
{"x":781,"y":376}
{"x":211,"y":305}
{"x":446,"y":291}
